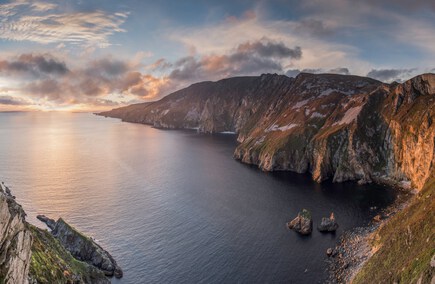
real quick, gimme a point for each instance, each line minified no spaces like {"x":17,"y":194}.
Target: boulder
{"x":303,"y":223}
{"x":328,"y":224}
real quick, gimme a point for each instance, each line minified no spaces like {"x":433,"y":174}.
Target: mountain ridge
{"x":339,"y":127}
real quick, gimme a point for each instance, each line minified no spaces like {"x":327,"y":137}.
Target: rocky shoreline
{"x":354,"y":247}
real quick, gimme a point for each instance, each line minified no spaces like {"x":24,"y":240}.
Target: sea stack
{"x":328,"y":224}
{"x":303,"y":223}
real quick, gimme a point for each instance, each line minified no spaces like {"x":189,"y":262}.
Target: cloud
{"x":34,"y":65}
{"x":311,"y":34}
{"x":313,"y":27}
{"x":248,"y":58}
{"x":13,"y":101}
{"x":44,"y":23}
{"x":44,"y":79}
{"x":338,"y":70}
{"x":269,"y":49}
{"x":107,"y":67}
{"x":389,"y":75}
{"x":404,"y":5}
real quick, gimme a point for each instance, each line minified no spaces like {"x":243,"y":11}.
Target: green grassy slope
{"x":51,"y":263}
{"x":406,"y":244}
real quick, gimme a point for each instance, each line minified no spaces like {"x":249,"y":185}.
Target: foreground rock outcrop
{"x":334,"y":126}
{"x":31,"y":255}
{"x":82,"y":247}
{"x":303,"y":223}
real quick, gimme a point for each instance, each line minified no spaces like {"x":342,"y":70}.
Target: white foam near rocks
{"x":227,"y":132}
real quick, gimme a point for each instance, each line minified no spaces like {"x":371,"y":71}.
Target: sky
{"x":91,"y":55}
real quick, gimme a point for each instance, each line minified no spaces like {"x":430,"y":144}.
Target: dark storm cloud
{"x":33,"y":65}
{"x":388,"y":75}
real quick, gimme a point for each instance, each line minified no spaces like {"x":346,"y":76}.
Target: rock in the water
{"x":377,"y":218}
{"x":328,"y":224}
{"x":329,"y":251}
{"x":82,"y":247}
{"x":49,"y":222}
{"x":303,"y":223}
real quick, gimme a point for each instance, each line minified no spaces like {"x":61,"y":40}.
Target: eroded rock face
{"x":82,"y":247}
{"x":302,"y":224}
{"x":333,"y":126}
{"x":15,"y":240}
{"x":328,"y":224}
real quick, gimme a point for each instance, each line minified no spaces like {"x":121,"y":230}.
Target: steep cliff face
{"x":15,"y":240}
{"x":333,"y":126}
{"x":226,"y":105}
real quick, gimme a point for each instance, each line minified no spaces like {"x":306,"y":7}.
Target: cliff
{"x":15,"y":240}
{"x":31,"y":255}
{"x":333,"y":126}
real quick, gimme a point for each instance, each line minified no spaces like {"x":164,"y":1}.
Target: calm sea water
{"x":173,"y":206}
